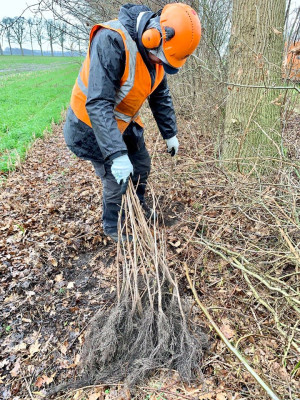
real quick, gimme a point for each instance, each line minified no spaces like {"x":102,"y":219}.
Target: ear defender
{"x":151,"y":38}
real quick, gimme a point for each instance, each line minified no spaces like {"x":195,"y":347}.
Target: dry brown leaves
{"x":57,"y":269}
{"x":50,"y":237}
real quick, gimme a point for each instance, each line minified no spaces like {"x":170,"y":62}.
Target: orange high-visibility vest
{"x":135,"y":85}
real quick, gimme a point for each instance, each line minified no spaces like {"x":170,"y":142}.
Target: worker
{"x":126,"y":63}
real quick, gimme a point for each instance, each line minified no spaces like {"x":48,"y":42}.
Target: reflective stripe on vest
{"x":132,"y":50}
{"x":81,"y":85}
{"x":135,"y":83}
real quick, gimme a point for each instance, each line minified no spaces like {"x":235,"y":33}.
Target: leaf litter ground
{"x":58,"y":270}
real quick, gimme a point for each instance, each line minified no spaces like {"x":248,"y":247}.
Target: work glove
{"x":121,"y":169}
{"x":172,"y":145}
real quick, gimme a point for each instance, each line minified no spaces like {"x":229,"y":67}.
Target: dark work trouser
{"x":112,"y":197}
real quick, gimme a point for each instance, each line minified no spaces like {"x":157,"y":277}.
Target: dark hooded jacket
{"x":107,"y":62}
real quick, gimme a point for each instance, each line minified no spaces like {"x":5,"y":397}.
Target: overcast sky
{"x":15,"y":8}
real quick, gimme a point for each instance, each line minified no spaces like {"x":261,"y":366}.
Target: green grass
{"x":34,"y":92}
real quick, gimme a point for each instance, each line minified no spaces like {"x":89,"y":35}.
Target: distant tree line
{"x":37,"y":31}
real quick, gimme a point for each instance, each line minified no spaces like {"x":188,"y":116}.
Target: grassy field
{"x":34,"y":91}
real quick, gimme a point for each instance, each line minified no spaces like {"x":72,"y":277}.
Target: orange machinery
{"x":291,"y":65}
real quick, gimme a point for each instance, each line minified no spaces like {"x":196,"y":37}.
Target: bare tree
{"x":7,"y":23}
{"x":71,"y":40}
{"x":2,"y":31}
{"x":38,"y":32}
{"x":19,"y":31}
{"x":215,"y":16}
{"x":30,"y":24}
{"x":61,"y":34}
{"x":80,"y":39}
{"x":51,"y":33}
{"x":83,"y":12}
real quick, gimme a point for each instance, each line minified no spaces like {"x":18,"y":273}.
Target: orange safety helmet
{"x":180,"y":33}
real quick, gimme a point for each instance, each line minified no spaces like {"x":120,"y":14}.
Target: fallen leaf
{"x":63,"y":349}
{"x":44,"y":379}
{"x":12,"y":297}
{"x":75,"y":363}
{"x":276,"y":31}
{"x":19,"y":347}
{"x":34,"y":348}
{"x":4,"y":228}
{"x":77,"y":359}
{"x":227,"y":330}
{"x":94,"y":396}
{"x":53,"y":262}
{"x":221,"y":396}
{"x":280,"y":371}
{"x":16,"y":369}
{"x":70,"y":285}
{"x":59,"y":278}
{"x":39,"y":382}
{"x":85,"y":193}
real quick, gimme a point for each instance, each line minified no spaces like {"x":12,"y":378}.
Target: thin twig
{"x":235,"y":262}
{"x":27,"y":386}
{"x":271,"y":310}
{"x":290,"y":343}
{"x":226,"y":341}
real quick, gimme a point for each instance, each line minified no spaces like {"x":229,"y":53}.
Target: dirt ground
{"x":57,"y":269}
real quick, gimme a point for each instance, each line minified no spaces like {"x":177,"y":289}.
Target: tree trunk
{"x":252,"y":121}
{"x":9,"y":44}
{"x":32,"y":52}
{"x":21,"y":48}
{"x":51,"y":46}
{"x":41,"y":50}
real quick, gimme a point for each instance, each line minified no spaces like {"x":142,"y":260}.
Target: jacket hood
{"x":128,"y":16}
